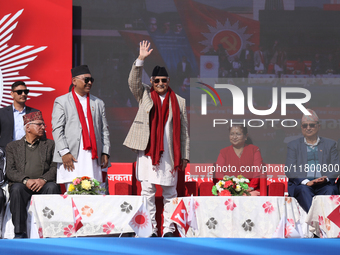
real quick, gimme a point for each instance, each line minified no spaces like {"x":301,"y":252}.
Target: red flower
{"x":230,"y":204}
{"x":335,"y":199}
{"x":69,"y":230}
{"x":227,"y":184}
{"x":321,"y":222}
{"x":107,"y":228}
{"x":268,"y":207}
{"x":85,"y":178}
{"x":224,"y":192}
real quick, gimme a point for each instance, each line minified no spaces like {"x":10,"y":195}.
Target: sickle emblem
{"x":232,"y":46}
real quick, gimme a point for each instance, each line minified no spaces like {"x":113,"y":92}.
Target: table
{"x":317,"y":219}
{"x":241,"y":217}
{"x":328,"y":79}
{"x":261,"y":78}
{"x":101,"y":215}
{"x":304,"y":79}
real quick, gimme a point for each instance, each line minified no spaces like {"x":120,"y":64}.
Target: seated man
{"x":29,"y":169}
{"x":310,"y":163}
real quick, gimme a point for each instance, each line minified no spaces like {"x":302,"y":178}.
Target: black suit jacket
{"x":16,"y":158}
{"x":7,"y":124}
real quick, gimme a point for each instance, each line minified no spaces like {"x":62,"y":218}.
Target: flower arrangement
{"x":85,"y":186}
{"x":296,"y":72}
{"x":231,"y":186}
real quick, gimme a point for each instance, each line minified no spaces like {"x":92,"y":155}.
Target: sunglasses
{"x":87,"y":79}
{"x":164,"y":80}
{"x":19,"y":91}
{"x":39,"y":124}
{"x":310,"y":125}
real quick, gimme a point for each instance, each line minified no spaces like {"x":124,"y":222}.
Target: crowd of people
{"x":159,"y":135}
{"x":273,"y":60}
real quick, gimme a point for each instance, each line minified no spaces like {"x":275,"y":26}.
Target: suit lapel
{"x":71,"y":100}
{"x":11,"y":118}
{"x":304,"y":151}
{"x":42,"y":152}
{"x":320,"y":151}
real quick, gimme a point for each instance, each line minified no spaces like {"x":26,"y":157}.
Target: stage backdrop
{"x":36,"y":47}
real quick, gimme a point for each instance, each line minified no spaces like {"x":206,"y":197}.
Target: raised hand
{"x":144,"y":50}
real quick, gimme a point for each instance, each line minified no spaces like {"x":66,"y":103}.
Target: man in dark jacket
{"x":30,"y":169}
{"x":11,"y":122}
{"x":312,"y":163}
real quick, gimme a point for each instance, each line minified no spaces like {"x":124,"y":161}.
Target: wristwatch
{"x":25,"y":181}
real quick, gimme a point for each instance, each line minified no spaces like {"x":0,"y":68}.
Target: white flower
{"x":242,"y":180}
{"x":247,"y":181}
{"x":219,"y":189}
{"x":238,"y":188}
{"x":236,"y":180}
{"x":220,"y":184}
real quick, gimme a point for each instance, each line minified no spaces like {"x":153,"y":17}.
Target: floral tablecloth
{"x":101,"y":215}
{"x":241,"y":217}
{"x":321,"y":207}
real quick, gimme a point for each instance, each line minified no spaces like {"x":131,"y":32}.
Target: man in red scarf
{"x":80,"y":130}
{"x":159,"y":134}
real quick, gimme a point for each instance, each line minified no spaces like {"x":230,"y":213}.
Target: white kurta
{"x":162,"y":174}
{"x":85,"y":165}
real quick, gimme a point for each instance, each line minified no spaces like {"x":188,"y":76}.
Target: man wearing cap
{"x":311,"y":163}
{"x":11,"y":123}
{"x":30,"y":169}
{"x":80,"y":131}
{"x":159,"y":135}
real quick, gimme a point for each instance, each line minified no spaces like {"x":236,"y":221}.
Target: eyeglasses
{"x":39,"y":124}
{"x":87,"y":79}
{"x":311,"y":125}
{"x":164,"y":80}
{"x":20,"y":91}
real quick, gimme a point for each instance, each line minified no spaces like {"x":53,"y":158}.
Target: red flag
{"x":180,"y":216}
{"x":335,"y":216}
{"x":207,"y":27}
{"x":76,"y":217}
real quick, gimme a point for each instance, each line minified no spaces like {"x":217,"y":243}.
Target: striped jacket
{"x":138,"y":136}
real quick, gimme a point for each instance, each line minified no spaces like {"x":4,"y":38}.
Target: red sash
{"x":85,"y":134}
{"x":158,"y":117}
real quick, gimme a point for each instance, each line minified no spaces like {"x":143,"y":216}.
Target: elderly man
{"x":311,"y":161}
{"x":30,"y":169}
{"x":159,"y":134}
{"x":80,"y":131}
{"x":11,"y":123}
